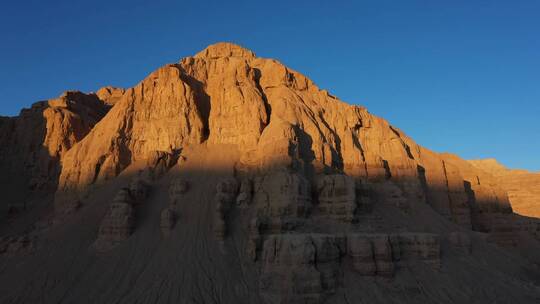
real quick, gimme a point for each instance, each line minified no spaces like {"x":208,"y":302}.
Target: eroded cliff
{"x":227,"y":178}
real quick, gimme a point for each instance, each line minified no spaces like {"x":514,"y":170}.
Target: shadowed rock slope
{"x":229,"y":178}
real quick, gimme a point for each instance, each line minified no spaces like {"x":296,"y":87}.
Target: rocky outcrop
{"x":177,"y":189}
{"x":371,"y":254}
{"x":379,"y":254}
{"x":486,"y":199}
{"x":280,"y":122}
{"x":300,"y":268}
{"x":167,"y":221}
{"x":139,"y":189}
{"x":523,"y":187}
{"x":422,"y":246}
{"x":119,"y":222}
{"x":245,"y":194}
{"x":110,"y":95}
{"x":226,"y":191}
{"x":34,"y":143}
{"x":316,"y":194}
{"x":282,"y":199}
{"x":337,"y":197}
{"x":160,"y":114}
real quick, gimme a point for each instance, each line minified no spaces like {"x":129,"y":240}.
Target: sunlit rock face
{"x":34,"y":143}
{"x":230,"y":178}
{"x":523,"y":187}
{"x":275,"y":117}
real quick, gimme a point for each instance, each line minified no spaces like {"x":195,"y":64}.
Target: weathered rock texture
{"x":226,"y":191}
{"x":523,"y":187}
{"x":119,"y":222}
{"x":33,"y":144}
{"x":264,"y":189}
{"x":300,"y":268}
{"x":276,"y":118}
{"x":110,"y":95}
{"x":337,"y":197}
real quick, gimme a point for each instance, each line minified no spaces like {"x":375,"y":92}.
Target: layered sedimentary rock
{"x":277,"y":118}
{"x":300,"y":268}
{"x":265,"y":188}
{"x":523,"y":187}
{"x":110,"y":95}
{"x":423,"y":246}
{"x":282,"y":199}
{"x":33,"y":143}
{"x":226,"y":191}
{"x":371,"y":254}
{"x":486,"y":199}
{"x":159,"y":114}
{"x":379,"y":254}
{"x":337,"y":197}
{"x":120,"y":220}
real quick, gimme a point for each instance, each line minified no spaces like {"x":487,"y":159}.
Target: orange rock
{"x":523,"y":187}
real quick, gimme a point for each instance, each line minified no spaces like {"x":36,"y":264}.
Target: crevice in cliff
{"x":447,"y":184}
{"x":388,"y":173}
{"x":202,"y":100}
{"x":337,"y":161}
{"x":356,"y":140}
{"x":267,"y":106}
{"x":97,"y":169}
{"x":405,"y":146}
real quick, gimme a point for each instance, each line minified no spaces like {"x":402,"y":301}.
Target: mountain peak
{"x":253,"y":161}
{"x":225,"y":49}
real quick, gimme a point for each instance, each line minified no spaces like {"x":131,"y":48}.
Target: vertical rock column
{"x":226,"y":191}
{"x":119,"y":222}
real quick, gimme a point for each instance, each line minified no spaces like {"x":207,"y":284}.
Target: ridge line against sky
{"x":461,"y":78}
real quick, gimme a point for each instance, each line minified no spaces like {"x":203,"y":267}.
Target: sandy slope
{"x":190,"y":266}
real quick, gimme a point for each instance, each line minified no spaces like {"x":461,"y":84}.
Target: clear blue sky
{"x":459,"y":76}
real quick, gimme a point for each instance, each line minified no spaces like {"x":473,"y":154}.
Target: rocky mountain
{"x":32,"y":145}
{"x":522,"y":186}
{"x":230,"y":178}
